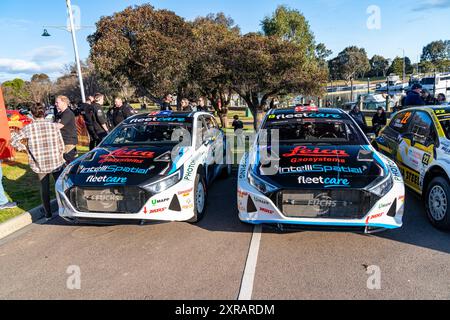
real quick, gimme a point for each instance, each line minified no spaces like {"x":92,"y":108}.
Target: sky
{"x":385,"y":27}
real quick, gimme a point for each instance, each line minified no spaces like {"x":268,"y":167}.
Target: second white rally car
{"x":315,"y":167}
{"x":154,"y":166}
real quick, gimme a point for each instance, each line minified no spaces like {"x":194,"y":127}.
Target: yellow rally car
{"x":418,"y":139}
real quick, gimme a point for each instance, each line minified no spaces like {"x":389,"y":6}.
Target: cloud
{"x":47,"y":53}
{"x":17,"y":24}
{"x":428,"y":5}
{"x":19,"y":66}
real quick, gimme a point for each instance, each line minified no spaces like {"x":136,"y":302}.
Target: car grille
{"x":328,"y":204}
{"x":121,"y":200}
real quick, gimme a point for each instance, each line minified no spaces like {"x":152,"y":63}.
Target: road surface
{"x":208,"y":260}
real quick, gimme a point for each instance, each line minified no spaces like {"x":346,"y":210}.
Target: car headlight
{"x":382,"y":185}
{"x":166,"y":183}
{"x":260,"y":184}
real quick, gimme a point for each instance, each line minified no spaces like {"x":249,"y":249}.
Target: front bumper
{"x":174,"y":204}
{"x":256,"y":208}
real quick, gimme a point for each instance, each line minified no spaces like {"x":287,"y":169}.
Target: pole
{"x":368,"y":85}
{"x":404,"y":66}
{"x":351,"y":81}
{"x":75,"y":48}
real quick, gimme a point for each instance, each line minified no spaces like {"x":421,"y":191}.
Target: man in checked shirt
{"x":45,"y":148}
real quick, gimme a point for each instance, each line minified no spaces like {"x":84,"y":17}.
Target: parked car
{"x":146,"y":169}
{"x":418,"y":139}
{"x":324,"y":172}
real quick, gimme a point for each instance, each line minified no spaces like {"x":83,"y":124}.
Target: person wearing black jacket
{"x":167,"y":103}
{"x":379,"y":120}
{"x":119,"y":113}
{"x":359,"y":117}
{"x":95,"y":120}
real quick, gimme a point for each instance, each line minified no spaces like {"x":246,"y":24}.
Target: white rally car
{"x":154,"y":166}
{"x":320,"y":171}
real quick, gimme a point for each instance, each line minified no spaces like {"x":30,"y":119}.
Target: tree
{"x":397,"y":66}
{"x":351,"y":63}
{"x":436,"y":51}
{"x":379,"y":66}
{"x":261,"y":67}
{"x":290,"y":25}
{"x":150,"y":48}
{"x":207,"y":73}
{"x":15,"y":92}
{"x":322,"y":52}
{"x":39,"y":88}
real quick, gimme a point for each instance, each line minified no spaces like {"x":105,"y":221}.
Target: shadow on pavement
{"x":222,"y":216}
{"x":417,"y":230}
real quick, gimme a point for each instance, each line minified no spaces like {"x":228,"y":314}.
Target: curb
{"x":25,"y":219}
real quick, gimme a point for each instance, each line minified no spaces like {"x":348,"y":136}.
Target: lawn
{"x":21,"y":186}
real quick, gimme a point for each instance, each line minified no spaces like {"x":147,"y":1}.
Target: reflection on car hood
{"x":312,"y":167}
{"x":113,"y":166}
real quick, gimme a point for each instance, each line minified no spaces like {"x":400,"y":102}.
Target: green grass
{"x":21,"y":186}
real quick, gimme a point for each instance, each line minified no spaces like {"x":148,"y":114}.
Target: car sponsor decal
{"x":190,"y":171}
{"x":384,"y":205}
{"x":159,"y":201}
{"x":412,"y":178}
{"x":326,"y":182}
{"x":160,"y":210}
{"x":115,"y":169}
{"x":426,"y":159}
{"x":185,"y":193}
{"x":373,"y":217}
{"x":159,"y":120}
{"x":261,"y":201}
{"x":267,"y":211}
{"x":126,"y":155}
{"x":303,"y":151}
{"x":322,"y":168}
{"x":107,"y":180}
{"x":104,"y":197}
{"x":305,"y":115}
{"x":322,"y":203}
{"x":396,"y":173}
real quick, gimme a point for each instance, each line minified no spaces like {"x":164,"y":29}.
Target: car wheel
{"x":438,"y":203}
{"x":200,"y":198}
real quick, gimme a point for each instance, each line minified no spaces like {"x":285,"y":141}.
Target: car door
{"x":418,"y":149}
{"x":204,"y":147}
{"x":392,"y":136}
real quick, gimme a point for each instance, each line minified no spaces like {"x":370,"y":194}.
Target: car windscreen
{"x":317,"y":131}
{"x":148,"y":134}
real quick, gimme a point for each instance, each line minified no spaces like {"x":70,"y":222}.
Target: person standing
{"x":67,"y":125}
{"x":185,"y":105}
{"x":201,"y":105}
{"x":45,"y":147}
{"x":441,"y":99}
{"x":95,"y":120}
{"x":413,"y":98}
{"x":167,"y":103}
{"x":119,"y":113}
{"x":359,"y":117}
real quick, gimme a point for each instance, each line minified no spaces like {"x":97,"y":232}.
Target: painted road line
{"x":248,"y":278}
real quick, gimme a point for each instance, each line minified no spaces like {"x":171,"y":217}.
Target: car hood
{"x":131,"y":166}
{"x":319,"y":167}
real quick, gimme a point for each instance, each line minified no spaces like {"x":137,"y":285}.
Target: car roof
{"x":431,"y":108}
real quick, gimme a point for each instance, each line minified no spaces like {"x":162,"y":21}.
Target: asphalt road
{"x":207,"y":261}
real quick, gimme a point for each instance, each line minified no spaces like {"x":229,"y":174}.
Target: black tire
{"x":199,"y":213}
{"x":437,"y":203}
